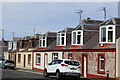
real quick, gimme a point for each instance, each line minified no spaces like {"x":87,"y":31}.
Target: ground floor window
{"x":19,"y":57}
{"x":9,"y":57}
{"x":54,"y":56}
{"x":29,"y":58}
{"x":101,"y":63}
{"x":70,"y":56}
{"x":38,"y":59}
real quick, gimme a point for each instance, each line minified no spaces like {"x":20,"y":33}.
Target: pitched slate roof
{"x":49,"y":34}
{"x":66,"y":30}
{"x":112,"y":21}
{"x":91,"y":27}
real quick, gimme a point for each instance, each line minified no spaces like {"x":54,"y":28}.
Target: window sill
{"x":38,"y":64}
{"x":101,"y":72}
{"x":76,"y":44}
{"x":61,"y":45}
{"x":107,"y":42}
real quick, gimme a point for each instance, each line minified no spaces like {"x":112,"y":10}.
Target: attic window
{"x":42,"y":41}
{"x":61,"y":39}
{"x":107,"y":34}
{"x":77,"y":37}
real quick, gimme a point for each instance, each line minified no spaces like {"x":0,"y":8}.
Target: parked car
{"x":63,"y":67}
{"x":1,"y":62}
{"x":8,"y":64}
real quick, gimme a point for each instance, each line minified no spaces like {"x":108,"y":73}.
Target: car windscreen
{"x":74,"y":63}
{"x":58,"y":61}
{"x":9,"y":61}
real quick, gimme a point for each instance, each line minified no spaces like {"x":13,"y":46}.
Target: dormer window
{"x":107,"y":34}
{"x":14,"y":45}
{"x":77,"y":37}
{"x":61,"y":39}
{"x":42,"y":41}
{"x":10,"y":45}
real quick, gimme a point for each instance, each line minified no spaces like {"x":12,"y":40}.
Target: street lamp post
{"x":2,"y":45}
{"x":3,"y":34}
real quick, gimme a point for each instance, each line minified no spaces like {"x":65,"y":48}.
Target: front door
{"x":45,"y":60}
{"x":84,"y":69}
{"x":15,"y":59}
{"x":24,"y":60}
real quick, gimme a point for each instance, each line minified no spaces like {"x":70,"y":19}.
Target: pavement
{"x":30,"y":71}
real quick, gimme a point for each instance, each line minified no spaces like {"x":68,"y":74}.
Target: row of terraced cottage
{"x":94,"y":43}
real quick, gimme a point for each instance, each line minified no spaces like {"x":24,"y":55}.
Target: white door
{"x":46,"y":60}
{"x":85,"y":65}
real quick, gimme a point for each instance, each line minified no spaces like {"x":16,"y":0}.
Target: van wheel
{"x":45,"y":73}
{"x":58,"y":76}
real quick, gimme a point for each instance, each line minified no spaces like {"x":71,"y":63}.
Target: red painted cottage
{"x":94,"y":43}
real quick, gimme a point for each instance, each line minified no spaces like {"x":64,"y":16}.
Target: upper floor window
{"x":61,"y":39}
{"x":14,"y":45}
{"x":77,"y":37}
{"x":107,"y":34}
{"x":32,"y":43}
{"x":42,"y":41}
{"x":26,"y":44}
{"x":10,"y":45}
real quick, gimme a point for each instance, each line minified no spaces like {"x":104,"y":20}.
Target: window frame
{"x":60,"y":42}
{"x":10,"y":45}
{"x":38,"y":55}
{"x":41,"y":40}
{"x":14,"y":45}
{"x":32,"y":44}
{"x":101,"y":71}
{"x":70,"y":56}
{"x":54,"y":56}
{"x":107,"y":30}
{"x":29,"y":60}
{"x":81,"y":39}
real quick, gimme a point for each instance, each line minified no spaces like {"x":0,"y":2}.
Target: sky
{"x":22,"y":17}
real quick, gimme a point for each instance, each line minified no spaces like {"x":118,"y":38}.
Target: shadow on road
{"x":41,"y":79}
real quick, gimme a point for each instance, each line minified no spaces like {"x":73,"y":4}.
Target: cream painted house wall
{"x":10,"y":56}
{"x":6,"y":55}
{"x":24,"y":61}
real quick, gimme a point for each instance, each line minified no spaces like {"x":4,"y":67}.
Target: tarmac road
{"x":20,"y":74}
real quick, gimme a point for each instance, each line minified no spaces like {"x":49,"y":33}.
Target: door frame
{"x":45,"y":58}
{"x":85,"y":54}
